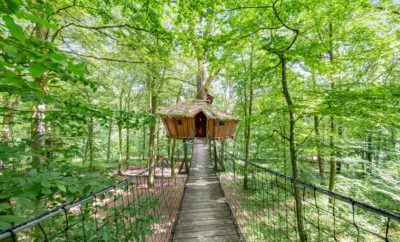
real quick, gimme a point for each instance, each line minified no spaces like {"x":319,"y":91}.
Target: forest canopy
{"x":314,"y":83}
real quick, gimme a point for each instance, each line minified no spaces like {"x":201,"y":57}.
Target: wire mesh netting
{"x":127,"y":211}
{"x":266,"y":211}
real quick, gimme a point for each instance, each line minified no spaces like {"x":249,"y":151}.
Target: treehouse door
{"x":200,"y":124}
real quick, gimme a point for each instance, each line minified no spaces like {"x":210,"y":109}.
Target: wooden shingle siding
{"x":187,"y":129}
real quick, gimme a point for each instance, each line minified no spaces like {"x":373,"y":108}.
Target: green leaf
{"x":4,"y":225}
{"x":4,"y":206}
{"x":62,"y":187}
{"x":37,"y":70}
{"x":10,"y":219}
{"x":36,"y":19}
{"x":15,"y":30}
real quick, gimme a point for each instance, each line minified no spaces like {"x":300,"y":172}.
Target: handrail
{"x":349,"y":200}
{"x":63,"y":207}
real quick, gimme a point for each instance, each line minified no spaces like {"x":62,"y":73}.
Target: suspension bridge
{"x":209,"y":206}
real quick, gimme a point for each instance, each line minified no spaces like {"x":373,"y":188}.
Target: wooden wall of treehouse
{"x":219,"y":129}
{"x":179,"y":128}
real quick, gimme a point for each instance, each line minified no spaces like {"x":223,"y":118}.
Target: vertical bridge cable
{"x":354,"y":220}
{"x":387,"y":230}
{"x":324,"y":214}
{"x":66,"y":227}
{"x":115,"y":211}
{"x":43,"y":232}
{"x":83,"y":221}
{"x":318,"y":213}
{"x":96,"y":224}
{"x":333,"y":203}
{"x":13,"y":235}
{"x":97,"y":216}
{"x":286,"y":209}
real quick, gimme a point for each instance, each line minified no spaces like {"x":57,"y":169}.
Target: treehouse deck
{"x":204,"y":214}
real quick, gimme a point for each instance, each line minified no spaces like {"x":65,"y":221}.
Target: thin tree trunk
{"x":393,"y":143}
{"x":318,"y":140}
{"x":369,"y":152}
{"x":172,"y":158}
{"x":222,"y":156}
{"x":293,"y":151}
{"x":8,"y":135}
{"x":185,"y":154}
{"x":91,"y":141}
{"x":332,"y":165}
{"x":153,"y":108}
{"x":110,"y":124}
{"x":318,"y":148}
{"x":144,"y":143}
{"x":339,"y":151}
{"x":119,"y":124}
{"x":38,"y":135}
{"x":38,"y":127}
{"x":248,"y":112}
{"x":127,"y":130}
{"x":215,"y":155}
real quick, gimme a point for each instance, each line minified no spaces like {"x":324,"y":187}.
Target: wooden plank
{"x":204,"y":214}
{"x":172,"y":127}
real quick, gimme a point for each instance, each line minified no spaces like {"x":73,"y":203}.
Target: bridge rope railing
{"x":266,"y":210}
{"x":128,"y":210}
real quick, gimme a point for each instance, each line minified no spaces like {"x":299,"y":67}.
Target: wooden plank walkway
{"x":204,"y":213}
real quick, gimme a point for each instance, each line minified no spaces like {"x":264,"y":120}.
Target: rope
{"x":66,"y":222}
{"x":387,"y":230}
{"x":354,"y":221}
{"x":318,"y":213}
{"x":274,"y":218}
{"x":83,"y":222}
{"x":43,"y":232}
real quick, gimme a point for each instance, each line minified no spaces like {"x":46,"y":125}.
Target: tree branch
{"x":296,"y":31}
{"x":246,"y":7}
{"x":280,"y":134}
{"x":104,"y":58}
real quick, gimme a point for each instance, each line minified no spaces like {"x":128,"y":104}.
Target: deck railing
{"x":126,"y":211}
{"x":266,"y":210}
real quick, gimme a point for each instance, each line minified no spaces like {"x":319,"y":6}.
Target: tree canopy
{"x":315,"y":85}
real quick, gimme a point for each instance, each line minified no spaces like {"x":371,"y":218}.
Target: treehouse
{"x":197,"y":119}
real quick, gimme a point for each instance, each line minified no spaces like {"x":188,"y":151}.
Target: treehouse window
{"x":179,"y":122}
{"x":221,"y":123}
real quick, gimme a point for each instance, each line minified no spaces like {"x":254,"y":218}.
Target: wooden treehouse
{"x":197,"y":119}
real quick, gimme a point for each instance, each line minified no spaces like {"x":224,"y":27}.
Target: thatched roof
{"x":193,"y":107}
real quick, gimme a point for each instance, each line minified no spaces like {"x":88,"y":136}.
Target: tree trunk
{"x":8,"y":135}
{"x":119,"y":125}
{"x":38,"y":136}
{"x":293,"y":151}
{"x":318,"y":140}
{"x":151,"y":158}
{"x":222,"y":156}
{"x":90,"y":141}
{"x":144,"y":143}
{"x":200,"y":79}
{"x":332,"y":165}
{"x":318,"y":148}
{"x":339,"y":151}
{"x":369,"y":152}
{"x":172,"y":158}
{"x":110,"y":124}
{"x":127,"y":134}
{"x":127,"y":148}
{"x":215,"y":155}
{"x":38,"y":126}
{"x":185,"y":156}
{"x":248,"y":112}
